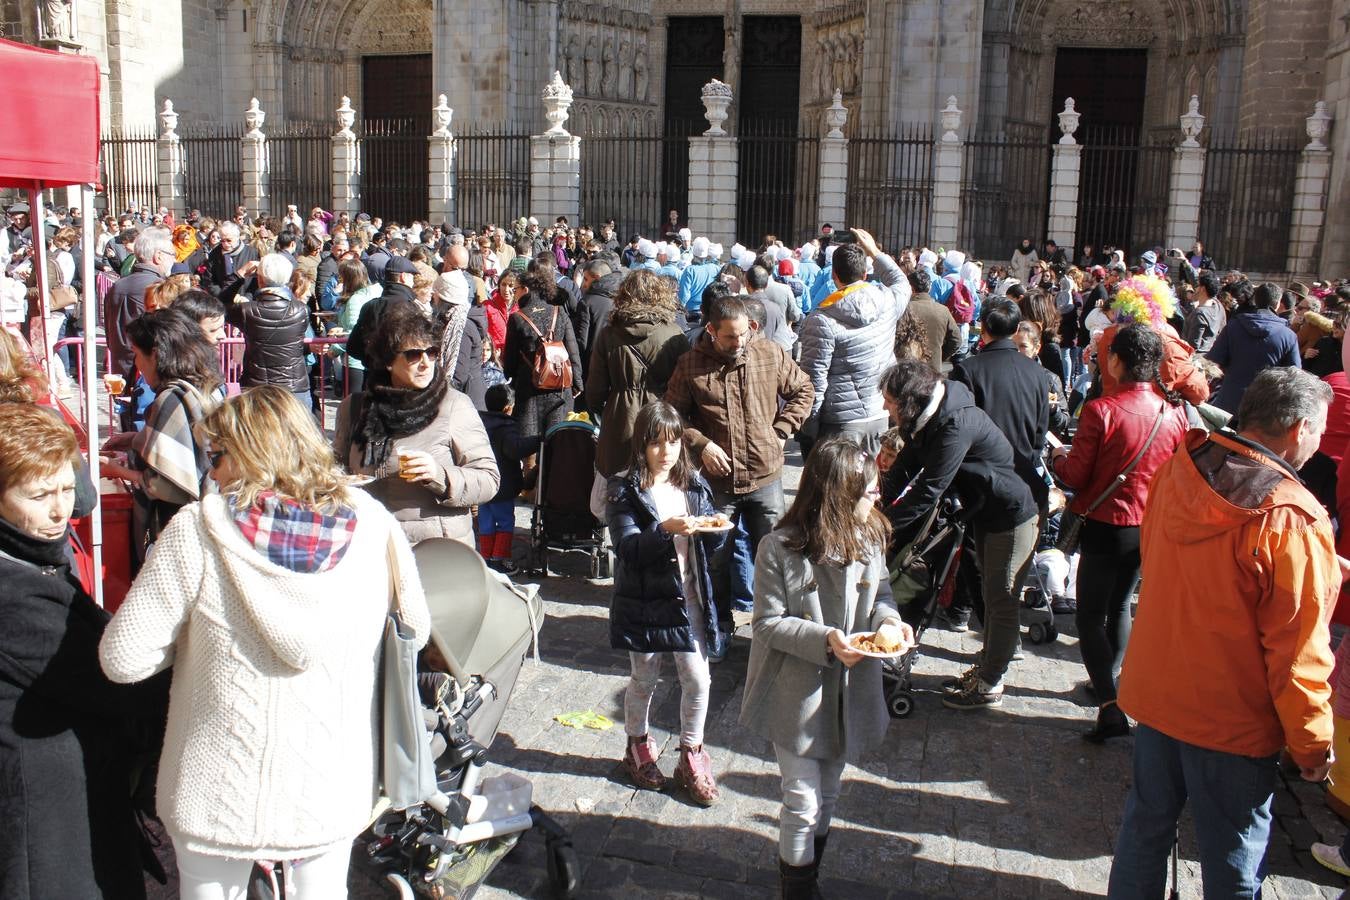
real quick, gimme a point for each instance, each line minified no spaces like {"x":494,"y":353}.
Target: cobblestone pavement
{"x":995,"y":803}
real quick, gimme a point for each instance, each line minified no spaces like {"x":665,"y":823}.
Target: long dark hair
{"x":181,"y":351}
{"x":1140,"y":350}
{"x":822,"y":521}
{"x":658,"y":422}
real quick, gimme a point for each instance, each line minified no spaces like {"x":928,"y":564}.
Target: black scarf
{"x":389,"y":412}
{"x":28,"y":549}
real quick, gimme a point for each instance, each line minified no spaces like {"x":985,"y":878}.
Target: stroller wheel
{"x":901,"y":704}
{"x":1038,"y":634}
{"x":564,"y":871}
{"x":1051,"y":633}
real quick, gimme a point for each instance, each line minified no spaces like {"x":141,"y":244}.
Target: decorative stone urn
{"x":253,"y":119}
{"x":1192,"y":123}
{"x":951,"y":122}
{"x":836,"y":116}
{"x":442,"y":113}
{"x":716,"y":99}
{"x":346,"y":118}
{"x":168,"y":122}
{"x":1068,"y":121}
{"x":557,"y":100}
{"x":1319,"y":126}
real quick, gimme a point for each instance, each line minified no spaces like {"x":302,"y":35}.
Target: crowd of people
{"x":1098,"y":419}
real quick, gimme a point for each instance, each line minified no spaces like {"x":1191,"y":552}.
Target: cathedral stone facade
{"x":1257,"y":66}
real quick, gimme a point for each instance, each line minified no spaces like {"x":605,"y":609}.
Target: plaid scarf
{"x":166,"y":444}
{"x":294,"y":536}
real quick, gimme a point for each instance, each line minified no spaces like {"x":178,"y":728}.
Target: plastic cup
{"x":115,"y":384}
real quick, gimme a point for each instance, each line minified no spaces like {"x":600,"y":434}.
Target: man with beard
{"x":742,"y":397}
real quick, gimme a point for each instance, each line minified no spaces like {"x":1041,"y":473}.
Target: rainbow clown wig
{"x":1144,"y":298}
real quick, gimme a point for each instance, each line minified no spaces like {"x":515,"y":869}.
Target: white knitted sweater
{"x":270,"y":750}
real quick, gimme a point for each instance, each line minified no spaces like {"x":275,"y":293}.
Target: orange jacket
{"x":1178,"y":373}
{"x":1230,"y":649}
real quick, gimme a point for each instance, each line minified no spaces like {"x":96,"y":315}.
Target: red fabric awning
{"x":49,"y":111}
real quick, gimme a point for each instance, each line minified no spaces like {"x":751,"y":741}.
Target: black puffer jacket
{"x":648,"y":614}
{"x":274,"y":324}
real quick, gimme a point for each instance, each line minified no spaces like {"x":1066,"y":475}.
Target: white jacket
{"x":270,"y":749}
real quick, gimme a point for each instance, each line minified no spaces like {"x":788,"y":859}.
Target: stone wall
{"x":1283,"y":65}
{"x":1336,"y":234}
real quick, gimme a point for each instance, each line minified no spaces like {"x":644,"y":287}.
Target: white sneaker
{"x":1329,"y":855}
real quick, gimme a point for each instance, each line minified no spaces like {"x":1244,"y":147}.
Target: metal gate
{"x":1122,"y":192}
{"x":890,"y":184}
{"x":211,"y":158}
{"x":622,"y":179}
{"x":300,"y":167}
{"x":127,"y":162}
{"x":1005,"y":191}
{"x":777,"y":188}
{"x":492,"y":178}
{"x":1247,"y":206}
{"x":395,"y":168}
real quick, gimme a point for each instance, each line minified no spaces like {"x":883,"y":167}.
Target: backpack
{"x":551,"y":369}
{"x":960,"y":303}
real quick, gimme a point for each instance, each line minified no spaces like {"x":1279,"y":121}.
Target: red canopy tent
{"x":49,"y":109}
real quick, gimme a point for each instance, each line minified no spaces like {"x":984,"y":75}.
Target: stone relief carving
{"x":593,"y":64}
{"x":609,"y":74}
{"x":572,"y":64}
{"x":640,"y":77}
{"x":1103,"y":22}
{"x":58,"y":19}
{"x":625,"y":69}
{"x":602,"y":51}
{"x":838,"y":58}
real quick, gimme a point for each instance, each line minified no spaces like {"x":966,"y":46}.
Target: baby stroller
{"x":562,"y":512}
{"x":482,"y":626}
{"x":923,"y":576}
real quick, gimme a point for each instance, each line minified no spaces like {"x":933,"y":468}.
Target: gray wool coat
{"x":797,"y":696}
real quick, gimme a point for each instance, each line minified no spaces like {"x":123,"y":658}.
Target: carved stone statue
{"x":572,"y":62}
{"x":626,"y":70}
{"x":58,"y":19}
{"x":640,"y":77}
{"x":592,"y":66}
{"x":609,"y":74}
{"x":823,"y":85}
{"x":853,"y":63}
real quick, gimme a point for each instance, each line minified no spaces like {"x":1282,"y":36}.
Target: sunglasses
{"x":215,"y":456}
{"x":415,"y":354}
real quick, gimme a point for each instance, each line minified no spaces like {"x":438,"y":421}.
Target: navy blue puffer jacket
{"x":648,"y":614}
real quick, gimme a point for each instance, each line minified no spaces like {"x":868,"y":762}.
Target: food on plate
{"x":875,"y":643}
{"x":715,"y":521}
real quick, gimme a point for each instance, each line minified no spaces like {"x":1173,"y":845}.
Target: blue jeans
{"x":1230,"y":798}
{"x":497,"y":516}
{"x":742,"y":572}
{"x":756,"y":512}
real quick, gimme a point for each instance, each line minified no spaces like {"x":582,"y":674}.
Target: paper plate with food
{"x":712,"y":523}
{"x":360,"y":480}
{"x":876,"y":644}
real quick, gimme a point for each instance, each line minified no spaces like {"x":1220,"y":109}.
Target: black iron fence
{"x":1123,"y":188}
{"x":778,"y":182}
{"x":890,"y":184}
{"x":394,"y":167}
{"x":492,"y":177}
{"x":127,"y":163}
{"x":1246,"y":208}
{"x":633,"y":179}
{"x":211,"y":160}
{"x":300,"y":166}
{"x":1005,"y":189}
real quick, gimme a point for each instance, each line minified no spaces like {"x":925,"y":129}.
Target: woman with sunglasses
{"x":419,"y":439}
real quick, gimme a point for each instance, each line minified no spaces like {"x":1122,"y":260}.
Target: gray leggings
{"x":810,"y":792}
{"x":695,"y":683}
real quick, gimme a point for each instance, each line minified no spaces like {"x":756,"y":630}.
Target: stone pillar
{"x":171,"y":174}
{"x":1065,"y":170}
{"x":1187,"y":182}
{"x":1310,"y":195}
{"x":713,"y":164}
{"x":441,"y":158}
{"x":346,"y":159}
{"x":944,"y":222}
{"x":555,"y":160}
{"x":833,"y":200}
{"x":253,"y":162}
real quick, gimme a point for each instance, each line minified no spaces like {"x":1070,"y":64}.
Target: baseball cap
{"x":400,"y":265}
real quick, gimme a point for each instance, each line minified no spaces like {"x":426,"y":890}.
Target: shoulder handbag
{"x":407,"y":773}
{"x":1071,"y":523}
{"x":551,"y":368}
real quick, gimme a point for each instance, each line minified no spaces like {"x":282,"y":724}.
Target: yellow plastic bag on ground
{"x":588,"y":719}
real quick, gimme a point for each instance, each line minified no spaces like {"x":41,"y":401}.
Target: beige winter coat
{"x":457,"y":441}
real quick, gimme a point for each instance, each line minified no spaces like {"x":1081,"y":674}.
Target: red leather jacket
{"x":1110,"y":432}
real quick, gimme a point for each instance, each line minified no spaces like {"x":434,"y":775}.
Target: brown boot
{"x":797,"y":882}
{"x":694,"y":774}
{"x":639,"y":761}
